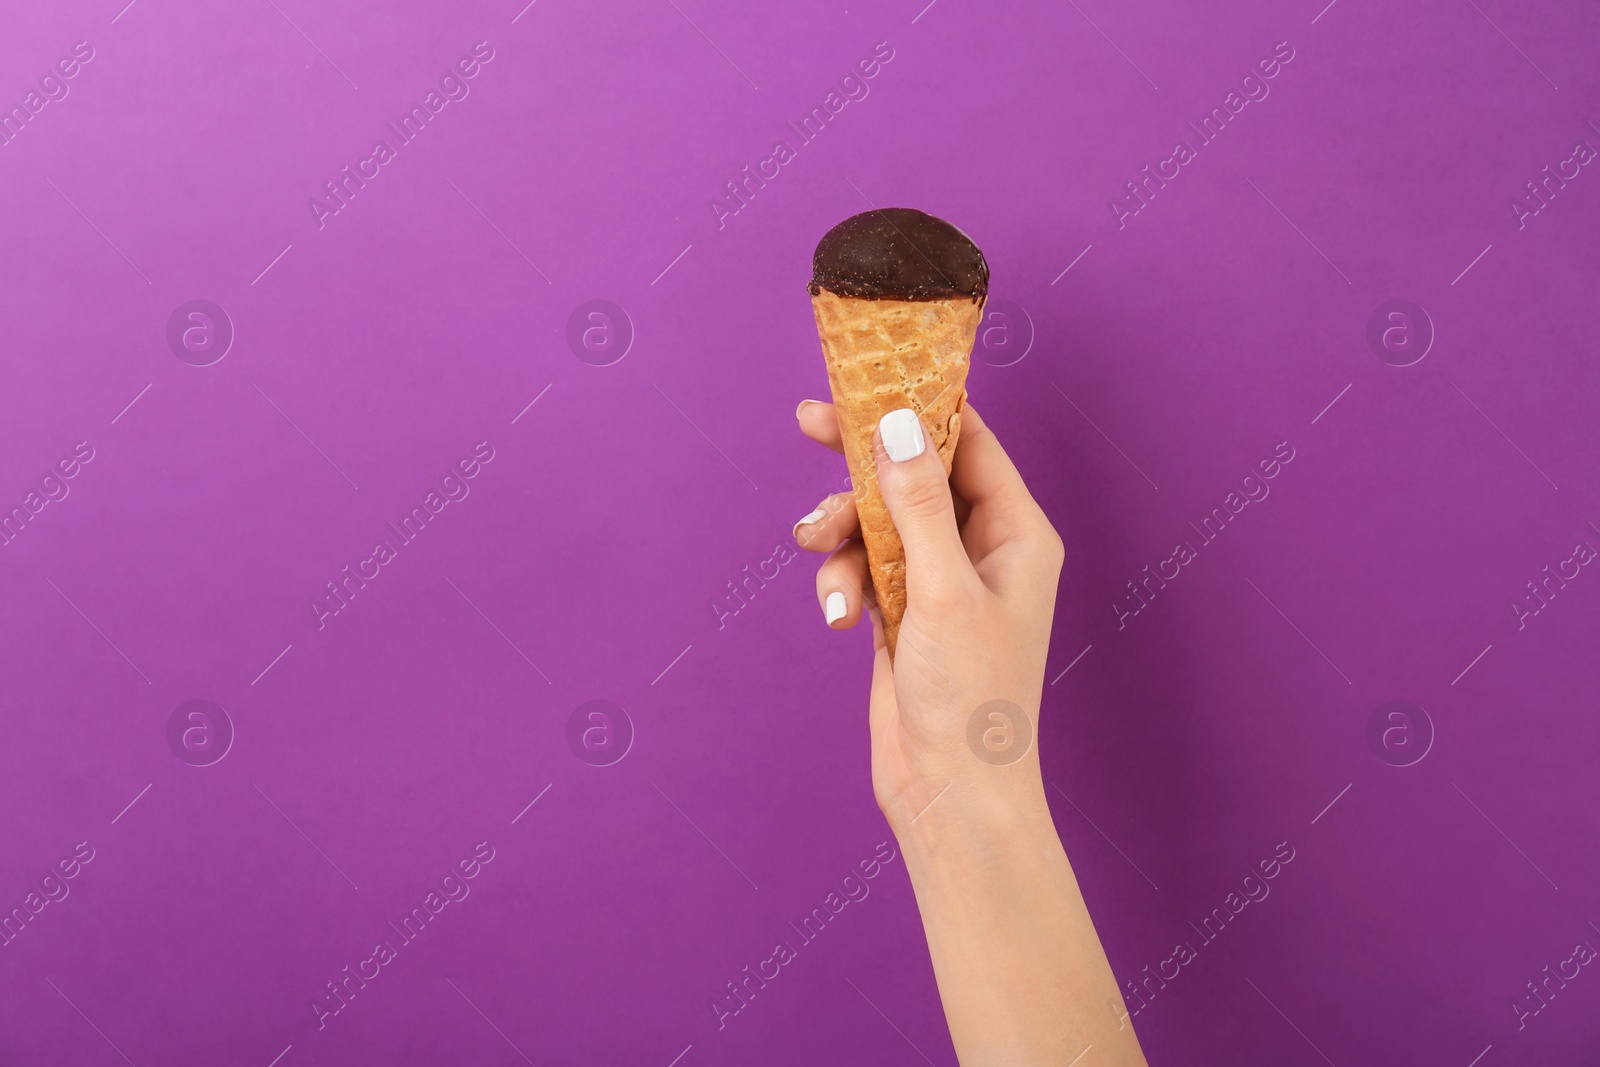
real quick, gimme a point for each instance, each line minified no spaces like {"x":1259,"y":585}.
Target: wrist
{"x":975,"y":820}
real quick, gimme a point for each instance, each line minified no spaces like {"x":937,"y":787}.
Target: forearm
{"x":1020,"y":969}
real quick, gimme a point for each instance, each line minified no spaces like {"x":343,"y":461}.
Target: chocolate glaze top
{"x":898,"y":253}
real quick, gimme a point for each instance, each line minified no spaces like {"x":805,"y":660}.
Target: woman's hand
{"x":955,"y":767}
{"x":982,"y":562}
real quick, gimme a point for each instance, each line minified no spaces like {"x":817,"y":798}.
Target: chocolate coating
{"x":898,"y":253}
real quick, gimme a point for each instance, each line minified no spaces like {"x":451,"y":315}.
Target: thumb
{"x":916,"y":490}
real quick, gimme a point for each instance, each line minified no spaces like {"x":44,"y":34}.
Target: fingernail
{"x":808,"y":520}
{"x":835,"y":608}
{"x":901,"y":431}
{"x":802,"y":406}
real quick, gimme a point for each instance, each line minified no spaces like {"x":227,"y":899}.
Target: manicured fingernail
{"x":835,"y":608}
{"x":901,"y":431}
{"x":808,"y":520}
{"x":802,"y":406}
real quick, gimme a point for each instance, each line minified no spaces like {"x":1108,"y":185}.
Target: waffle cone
{"x":883,"y":355}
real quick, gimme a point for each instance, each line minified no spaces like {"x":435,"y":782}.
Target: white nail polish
{"x":808,"y":520}
{"x":835,"y":608}
{"x":902,"y":435}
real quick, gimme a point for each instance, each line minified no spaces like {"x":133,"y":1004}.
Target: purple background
{"x":1177,"y":352}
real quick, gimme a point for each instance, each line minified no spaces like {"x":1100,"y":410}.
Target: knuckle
{"x":1043,"y":541}
{"x":921,"y":494}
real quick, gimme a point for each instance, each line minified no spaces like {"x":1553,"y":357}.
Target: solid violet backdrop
{"x":374,"y":349}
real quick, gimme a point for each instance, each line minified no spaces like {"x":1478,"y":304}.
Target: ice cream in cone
{"x":898,"y":295}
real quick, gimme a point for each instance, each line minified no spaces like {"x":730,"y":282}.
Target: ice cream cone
{"x":885,"y":354}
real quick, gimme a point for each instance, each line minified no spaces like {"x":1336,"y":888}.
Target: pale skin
{"x":1021,"y":973}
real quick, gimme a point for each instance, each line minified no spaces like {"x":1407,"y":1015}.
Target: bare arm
{"x":1021,"y":972}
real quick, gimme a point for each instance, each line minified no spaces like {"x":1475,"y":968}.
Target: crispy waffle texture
{"x":883,"y":355}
